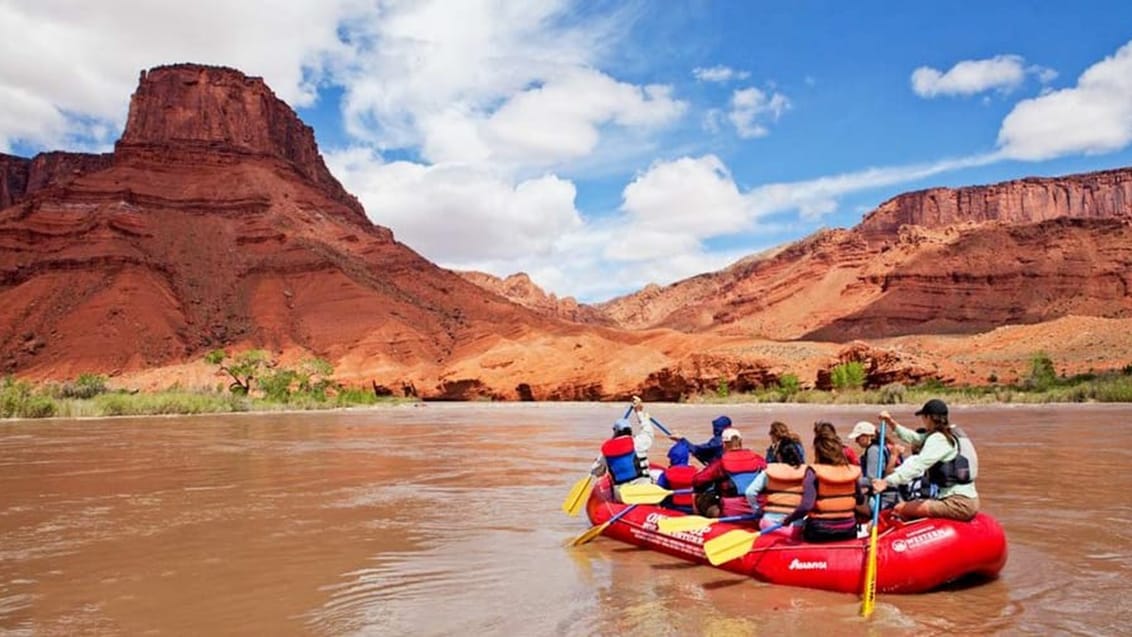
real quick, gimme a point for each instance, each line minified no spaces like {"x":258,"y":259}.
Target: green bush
{"x":849,"y":375}
{"x":788,"y":384}
{"x":355,"y":396}
{"x":84,"y":387}
{"x":19,"y":400}
{"x":1042,"y":373}
{"x":722,"y":389}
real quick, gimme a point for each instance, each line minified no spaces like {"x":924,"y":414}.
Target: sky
{"x":602,"y":146}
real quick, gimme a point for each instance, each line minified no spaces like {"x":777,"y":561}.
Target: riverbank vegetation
{"x":259,"y":384}
{"x":1041,"y":385}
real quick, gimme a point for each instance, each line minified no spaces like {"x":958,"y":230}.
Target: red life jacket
{"x":680,"y":477}
{"x":622,"y":460}
{"x":741,"y":465}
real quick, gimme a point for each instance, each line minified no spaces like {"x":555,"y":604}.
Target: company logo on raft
{"x":927,"y":537}
{"x":799,"y":565}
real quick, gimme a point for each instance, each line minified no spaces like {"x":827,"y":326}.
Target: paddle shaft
{"x":597,"y":530}
{"x":868,"y":597}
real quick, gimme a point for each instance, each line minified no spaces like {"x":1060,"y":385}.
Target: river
{"x":444,"y":519}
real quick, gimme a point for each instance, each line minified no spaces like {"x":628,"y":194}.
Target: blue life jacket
{"x":742,"y":467}
{"x":622,"y":460}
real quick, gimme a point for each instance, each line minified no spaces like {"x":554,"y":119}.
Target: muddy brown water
{"x":445,"y":520}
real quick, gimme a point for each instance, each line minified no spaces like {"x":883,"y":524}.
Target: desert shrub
{"x":1042,"y":373}
{"x":788,"y":385}
{"x":85,"y":387}
{"x":849,"y":375}
{"x":355,"y":396}
{"x":892,"y":394}
{"x":722,"y":390}
{"x":19,"y":400}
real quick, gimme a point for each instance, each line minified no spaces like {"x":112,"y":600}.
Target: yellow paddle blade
{"x":683,"y":523}
{"x":869,"y":596}
{"x":642,"y":493}
{"x":578,"y":495}
{"x":730,"y":545}
{"x":589,"y":534}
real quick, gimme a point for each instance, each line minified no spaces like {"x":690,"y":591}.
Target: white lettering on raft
{"x":799,"y":565}
{"x":927,"y":537}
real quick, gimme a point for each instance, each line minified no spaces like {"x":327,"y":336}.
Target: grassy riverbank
{"x":88,"y":396}
{"x":1108,"y":387}
{"x":92,"y":399}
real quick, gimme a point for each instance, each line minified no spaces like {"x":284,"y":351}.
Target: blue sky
{"x":601,"y":146}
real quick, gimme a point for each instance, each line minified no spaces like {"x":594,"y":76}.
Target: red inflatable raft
{"x":912,"y":557}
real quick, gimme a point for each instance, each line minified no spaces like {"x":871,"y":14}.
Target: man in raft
{"x":720,"y":485}
{"x":710,"y":451}
{"x":625,"y":456}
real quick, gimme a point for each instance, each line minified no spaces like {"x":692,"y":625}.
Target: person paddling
{"x":865,"y":435}
{"x":625,"y":456}
{"x":721,"y":485}
{"x":711,"y":450}
{"x":830,"y":491}
{"x":949,"y":460}
{"x":678,"y":477}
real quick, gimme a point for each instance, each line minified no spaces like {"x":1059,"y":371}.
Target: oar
{"x":660,"y":426}
{"x":869,"y":596}
{"x":693,"y":522}
{"x":580,"y":492}
{"x":595,"y":531}
{"x":732,"y":545}
{"x":646,"y":493}
{"x":578,"y":495}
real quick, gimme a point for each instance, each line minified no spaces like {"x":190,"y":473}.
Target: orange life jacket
{"x":783,"y":487}
{"x":837,"y":490}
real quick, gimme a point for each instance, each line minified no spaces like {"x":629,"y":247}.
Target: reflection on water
{"x":445,"y":520}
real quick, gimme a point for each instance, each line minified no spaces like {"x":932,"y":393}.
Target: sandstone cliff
{"x":936,"y":261}
{"x":215,"y":111}
{"x":20,"y":177}
{"x":1101,"y":194}
{"x":519,"y":288}
{"x":216,"y":224}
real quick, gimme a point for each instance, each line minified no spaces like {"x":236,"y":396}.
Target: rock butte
{"x":215,"y":223}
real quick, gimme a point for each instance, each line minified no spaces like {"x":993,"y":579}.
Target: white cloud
{"x":561,"y":120}
{"x":87,"y":58}
{"x":694,"y":197}
{"x":1002,"y":72}
{"x":457,"y":214}
{"x":1095,"y":116}
{"x":750,"y":108}
{"x":719,"y":74}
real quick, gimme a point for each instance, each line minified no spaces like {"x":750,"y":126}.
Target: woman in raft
{"x":830,"y":492}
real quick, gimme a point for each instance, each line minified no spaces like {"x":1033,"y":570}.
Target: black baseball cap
{"x":934,"y":407}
